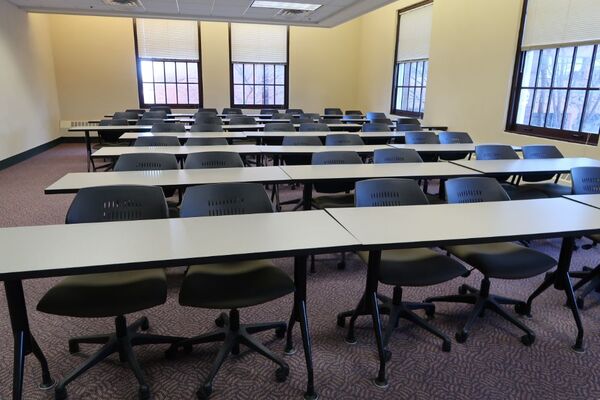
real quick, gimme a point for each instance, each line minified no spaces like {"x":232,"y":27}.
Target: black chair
{"x":448,"y":137}
{"x":392,"y":155}
{"x":139,"y":111}
{"x":168,"y":127}
{"x":376,"y":115}
{"x":213,"y":159}
{"x":112,"y":294}
{"x":243,"y":120}
{"x":333,"y":111}
{"x":282,"y":116}
{"x":269,"y":111}
{"x":126,"y":115}
{"x":330,"y":120}
{"x":111,"y":138}
{"x":313,"y":127}
{"x":535,"y":180}
{"x":334,"y":186}
{"x":343,"y":139}
{"x":279,"y":127}
{"x":212,"y":111}
{"x":505,"y":260}
{"x":354,"y":112}
{"x":230,"y":111}
{"x":156,"y":141}
{"x":350,"y":117}
{"x":408,"y":127}
{"x":423,"y":137}
{"x":206,"y":118}
{"x":409,"y":121}
{"x":149,"y":121}
{"x":403,"y":267}
{"x":375,"y":127}
{"x":312,"y":116}
{"x":232,"y":285}
{"x":586,"y":180}
{"x":294,"y":111}
{"x":206,"y":128}
{"x":158,"y":114}
{"x":301,"y":120}
{"x":385,"y":121}
{"x":166,"y":109}
{"x":207,"y":141}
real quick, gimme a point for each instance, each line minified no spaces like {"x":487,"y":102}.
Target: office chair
{"x":343,"y":139}
{"x":156,"y":141}
{"x":167,"y":127}
{"x":111,"y":138}
{"x":333,"y":111}
{"x":126,"y":115}
{"x":351,"y":117}
{"x":277,"y":127}
{"x":393,"y":155}
{"x":166,"y":109}
{"x":354,"y":112}
{"x":230,"y":111}
{"x":408,"y":127}
{"x":136,"y":110}
{"x":403,"y":267}
{"x":282,"y":116}
{"x":207,"y":141}
{"x":408,"y":121}
{"x":232,"y":285}
{"x":204,"y":127}
{"x":301,"y":120}
{"x":213,"y":159}
{"x":385,"y":121}
{"x":268,"y":111}
{"x":158,"y":114}
{"x":312,"y":116}
{"x":375,"y":115}
{"x":212,"y":111}
{"x":149,"y":121}
{"x":506,"y":260}
{"x":375,"y":127}
{"x":243,"y":120}
{"x":423,"y":137}
{"x":535,"y":180}
{"x":294,"y":111}
{"x":448,"y":137}
{"x":112,"y":294}
{"x":206,"y":118}
{"x":313,"y":127}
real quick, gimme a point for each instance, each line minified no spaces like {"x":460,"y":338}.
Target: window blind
{"x":254,"y":43}
{"x":556,"y":23}
{"x":414,"y":34}
{"x":167,"y":39}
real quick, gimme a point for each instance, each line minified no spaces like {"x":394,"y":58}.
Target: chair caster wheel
{"x":204,"y":392}
{"x":462,"y":289}
{"x":527,"y":340}
{"x":341,"y":265}
{"x":430,"y":312}
{"x":281,"y":374}
{"x":387,"y":355}
{"x":461,"y":337}
{"x":580,"y":302}
{"x":522,"y":309}
{"x":73,"y":347}
{"x":144,"y":392}
{"x":350,"y":339}
{"x":60,"y":393}
{"x":447,"y":346}
{"x":280,"y":333}
{"x":341,"y":321}
{"x":145,"y":324}
{"x":220,"y":321}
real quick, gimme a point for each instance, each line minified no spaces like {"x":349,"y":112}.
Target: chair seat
{"x":107,"y":294}
{"x":504,"y":260}
{"x":415,"y":267}
{"x":334,"y":201}
{"x":234,"y":285}
{"x":523,"y":192}
{"x":550,"y":189}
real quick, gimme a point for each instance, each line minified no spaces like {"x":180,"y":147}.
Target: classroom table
{"x":178,"y":151}
{"x":443,"y":148}
{"x":592,"y":200}
{"x":469,"y":223}
{"x":521,"y":166}
{"x":73,"y":249}
{"x":131,"y":136}
{"x":282,"y":134}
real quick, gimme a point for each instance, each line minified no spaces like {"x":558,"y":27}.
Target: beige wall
{"x":28,"y":101}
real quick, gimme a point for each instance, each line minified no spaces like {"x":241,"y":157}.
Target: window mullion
{"x":562,"y":124}
{"x":551,"y":87}
{"x":588,"y":86}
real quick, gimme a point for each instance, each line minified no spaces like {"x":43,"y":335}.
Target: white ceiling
{"x":331,"y":13}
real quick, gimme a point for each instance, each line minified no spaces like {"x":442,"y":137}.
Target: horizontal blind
{"x":414,"y":34}
{"x":167,"y":39}
{"x":556,"y":23}
{"x":254,"y":43}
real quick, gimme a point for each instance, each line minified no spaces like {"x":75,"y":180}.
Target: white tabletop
{"x":592,"y":200}
{"x":467,"y":223}
{"x":184,"y":135}
{"x":72,"y":182}
{"x":520,"y":166}
{"x":316,"y":149}
{"x":443,"y":148}
{"x":369,"y":171}
{"x":324,"y":133}
{"x":116,"y":151}
{"x":55,"y":250}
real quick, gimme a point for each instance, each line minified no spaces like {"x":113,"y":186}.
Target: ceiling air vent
{"x":125,"y":5}
{"x":290,"y":13}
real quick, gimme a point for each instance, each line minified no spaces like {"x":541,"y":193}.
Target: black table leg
{"x":307,"y":195}
{"x":24,"y":343}
{"x":299,"y":315}
{"x":88,"y":149}
{"x":370,"y":301}
{"x":561,"y":281}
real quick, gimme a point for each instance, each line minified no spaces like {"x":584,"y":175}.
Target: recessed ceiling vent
{"x":291,"y":13}
{"x":125,"y":5}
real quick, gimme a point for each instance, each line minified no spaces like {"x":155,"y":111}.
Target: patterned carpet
{"x":493,"y":364}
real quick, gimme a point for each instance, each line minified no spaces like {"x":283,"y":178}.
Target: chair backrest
{"x":388,"y":193}
{"x":375,"y":115}
{"x":158,"y":114}
{"x":421,"y":137}
{"x":237,"y":111}
{"x":585,"y":180}
{"x":375,"y":127}
{"x":212,"y":111}
{"x":313,"y":127}
{"x":156,"y":141}
{"x":393,"y":155}
{"x":351,"y":116}
{"x":354,"y":112}
{"x":408,"y":121}
{"x":312,"y":116}
{"x":408,"y":127}
{"x":126,"y":115}
{"x":243,"y":120}
{"x":343,"y":139}
{"x":112,"y":136}
{"x":294,"y":111}
{"x":474,"y":190}
{"x":205,"y":118}
{"x":113,"y":122}
{"x":269,"y":111}
{"x":146,"y":162}
{"x":282,"y":116}
{"x":138,"y":111}
{"x":168,"y":127}
{"x":302,"y":120}
{"x":495,"y":152}
{"x":208,"y":141}
{"x":117,"y":203}
{"x":202,"y":127}
{"x":301,"y":141}
{"x":334,"y":158}
{"x":149,"y":121}
{"x":166,"y":109}
{"x":447,"y":137}
{"x":225,"y":199}
{"x":279,"y":127}
{"x":536,"y":151}
{"x":333,"y":111}
{"x":386,"y":121}
{"x":213,"y":159}
{"x":330,"y":120}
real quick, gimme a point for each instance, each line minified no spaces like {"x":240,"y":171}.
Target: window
{"x":412,"y":65}
{"x":556,"y":87}
{"x":259,"y":66}
{"x":168,"y":63}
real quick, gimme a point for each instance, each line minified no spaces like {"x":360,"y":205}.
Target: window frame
{"x":393,"y":109}
{"x":286,"y":81}
{"x":515,"y":94}
{"x":141,"y":83}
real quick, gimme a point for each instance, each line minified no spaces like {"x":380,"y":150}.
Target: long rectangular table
{"x":131,"y":136}
{"x":521,"y":166}
{"x":443,"y":148}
